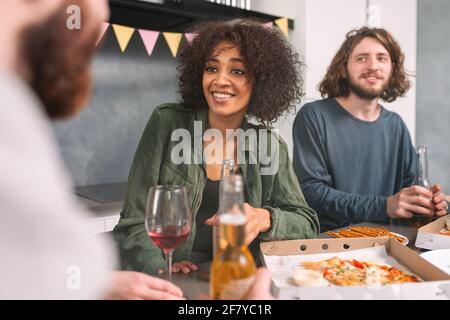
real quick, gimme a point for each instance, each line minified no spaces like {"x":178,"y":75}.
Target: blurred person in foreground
{"x":354,"y":159}
{"x":46,"y":251}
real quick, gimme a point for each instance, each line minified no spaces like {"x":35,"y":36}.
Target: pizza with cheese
{"x":358,"y":273}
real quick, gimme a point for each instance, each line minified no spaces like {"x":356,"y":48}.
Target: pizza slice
{"x":342,"y":272}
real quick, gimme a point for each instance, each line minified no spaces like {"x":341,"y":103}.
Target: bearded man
{"x":354,"y":159}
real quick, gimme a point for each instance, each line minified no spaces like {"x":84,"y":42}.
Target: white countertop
{"x":104,"y":216}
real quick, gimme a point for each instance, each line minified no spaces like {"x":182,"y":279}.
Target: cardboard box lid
{"x":428,"y":237}
{"x":405,"y":256}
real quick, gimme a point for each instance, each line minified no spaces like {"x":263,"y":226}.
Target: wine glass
{"x":168,"y":219}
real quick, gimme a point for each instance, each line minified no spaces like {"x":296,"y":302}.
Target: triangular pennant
{"x":123,"y":35}
{"x":149,"y":38}
{"x":104,"y":27}
{"x":282,"y":23}
{"x":268,"y":25}
{"x":173,"y":40}
{"x":190,"y":36}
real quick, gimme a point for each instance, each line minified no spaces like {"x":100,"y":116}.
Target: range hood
{"x":175,"y":16}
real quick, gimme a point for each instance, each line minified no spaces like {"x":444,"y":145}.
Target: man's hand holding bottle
{"x":417,"y":200}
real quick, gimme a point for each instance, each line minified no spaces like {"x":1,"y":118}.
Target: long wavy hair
{"x":272,"y":64}
{"x":335,"y":82}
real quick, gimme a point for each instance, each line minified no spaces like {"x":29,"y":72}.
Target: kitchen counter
{"x":105,"y":203}
{"x":104,"y":216}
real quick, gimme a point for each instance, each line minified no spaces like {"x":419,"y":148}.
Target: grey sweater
{"x":348,"y":167}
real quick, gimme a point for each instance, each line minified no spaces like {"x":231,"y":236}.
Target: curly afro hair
{"x":271,"y":62}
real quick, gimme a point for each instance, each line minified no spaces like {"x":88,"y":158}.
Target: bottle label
{"x":236,"y":289}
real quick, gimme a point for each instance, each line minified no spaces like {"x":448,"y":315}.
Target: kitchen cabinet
{"x":176,"y":17}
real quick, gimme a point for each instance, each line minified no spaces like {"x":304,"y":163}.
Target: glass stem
{"x":169,"y":264}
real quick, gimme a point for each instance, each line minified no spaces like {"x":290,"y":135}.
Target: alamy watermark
{"x":73,"y":21}
{"x":261,"y":146}
{"x":73,"y":281}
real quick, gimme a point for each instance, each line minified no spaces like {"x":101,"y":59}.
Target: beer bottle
{"x":421,"y":179}
{"x":233,"y":268}
{"x":227,"y":170}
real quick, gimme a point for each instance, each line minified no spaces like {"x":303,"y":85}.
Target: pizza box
{"x":428,"y":237}
{"x":435,"y":285}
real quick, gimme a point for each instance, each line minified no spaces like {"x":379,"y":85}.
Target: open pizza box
{"x":428,"y":237}
{"x":282,"y":257}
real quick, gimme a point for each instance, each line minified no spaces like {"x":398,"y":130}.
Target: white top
{"x":45,"y":251}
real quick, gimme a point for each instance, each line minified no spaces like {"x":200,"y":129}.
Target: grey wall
{"x":433,"y":87}
{"x":98,"y":146}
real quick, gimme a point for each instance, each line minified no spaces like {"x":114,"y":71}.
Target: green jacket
{"x":280,"y":193}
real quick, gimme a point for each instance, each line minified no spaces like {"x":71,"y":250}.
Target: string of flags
{"x":149,"y":37}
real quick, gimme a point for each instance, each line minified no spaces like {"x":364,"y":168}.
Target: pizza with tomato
{"x":358,"y":273}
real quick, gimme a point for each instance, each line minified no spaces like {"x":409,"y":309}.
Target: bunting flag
{"x":190,"y":36}
{"x":149,"y":38}
{"x":123,"y":35}
{"x":173,"y":40}
{"x":282,"y":23}
{"x":103,"y":29}
{"x":268,"y":25}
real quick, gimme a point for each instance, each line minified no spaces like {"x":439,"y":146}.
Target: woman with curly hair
{"x":230,"y":72}
{"x":354,"y":158}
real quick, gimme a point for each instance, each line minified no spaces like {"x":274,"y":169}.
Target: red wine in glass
{"x":168,"y":219}
{"x":169,"y":237}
